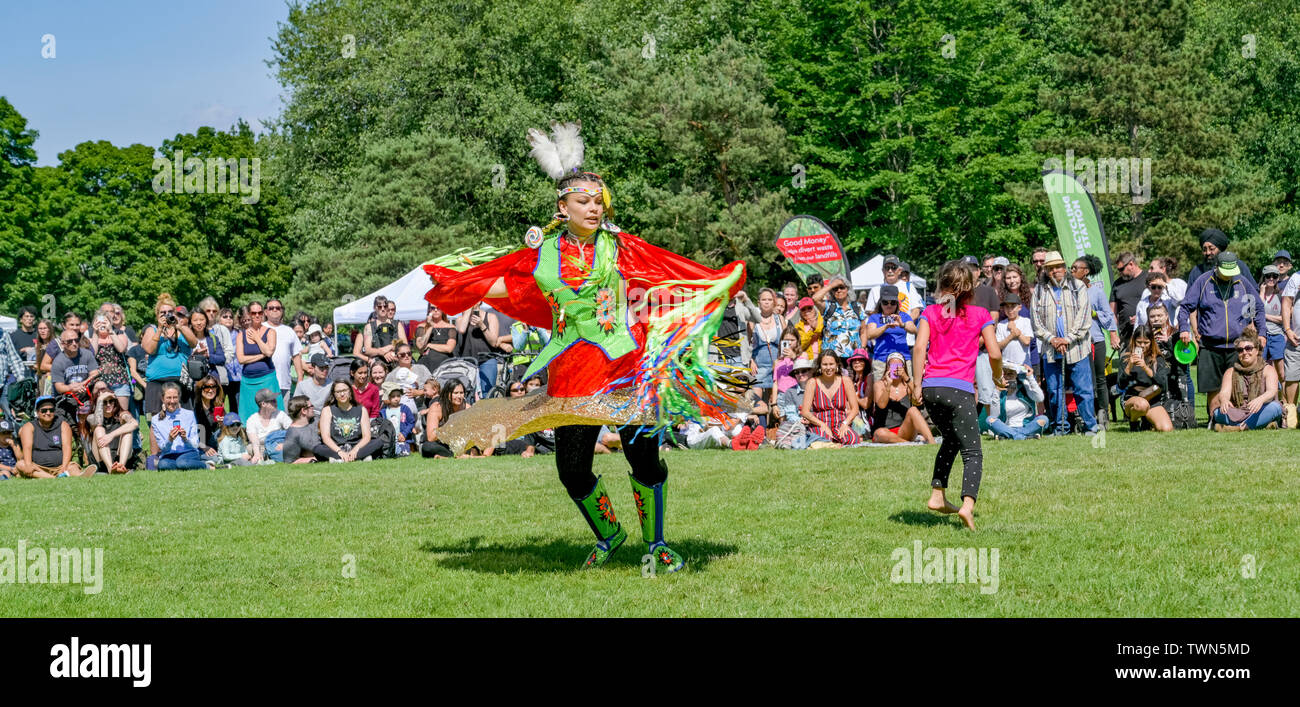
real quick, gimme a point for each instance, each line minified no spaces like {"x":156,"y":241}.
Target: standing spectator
{"x":269,"y":419}
{"x":1061,"y":321}
{"x":479,"y":332}
{"x":1247,"y":396}
{"x":119,"y":324}
{"x":288,"y":348}
{"x":780,"y":308}
{"x":45,"y":446}
{"x":1282,"y":261}
{"x":314,"y":343}
{"x":765,"y":344}
{"x":1275,"y":350}
{"x":380,"y":335}
{"x":1145,"y":381}
{"x":1013,"y":417}
{"x":316,"y":386}
{"x":1213,"y":244}
{"x":1157,"y":290}
{"x":1037,"y":258}
{"x":110,"y":347}
{"x":345,"y":427}
{"x":328,"y":331}
{"x":943,"y":377}
{"x":254,"y":350}
{"x":234,"y":370}
{"x":303,"y":436}
{"x":222,"y":340}
{"x":888,"y":327}
{"x":997,"y":269}
{"x":984,"y":297}
{"x":829,"y":404}
{"x":747,"y":314}
{"x":208,"y":347}
{"x":168,"y":343}
{"x":25,"y":335}
{"x":46,"y":334}
{"x":526,"y":340}
{"x":1102,"y":320}
{"x":809,"y":329}
{"x":1291,"y":330}
{"x":790,"y":293}
{"x":175,"y":431}
{"x":1175,"y":287}
{"x":844,"y":320}
{"x":909,"y":298}
{"x":11,"y":365}
{"x":1219,"y":306}
{"x":1126,"y":292}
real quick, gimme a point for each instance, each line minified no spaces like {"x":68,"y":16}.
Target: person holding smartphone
{"x":888,"y":327}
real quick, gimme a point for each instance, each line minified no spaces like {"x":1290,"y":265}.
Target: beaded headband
{"x":594,"y":193}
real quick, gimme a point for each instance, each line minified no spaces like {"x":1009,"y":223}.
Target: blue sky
{"x":137,"y":71}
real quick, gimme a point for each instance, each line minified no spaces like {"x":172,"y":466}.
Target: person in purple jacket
{"x":1219,"y":305}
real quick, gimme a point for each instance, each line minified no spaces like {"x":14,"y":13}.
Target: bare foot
{"x":967,"y":515}
{"x":939,"y":502}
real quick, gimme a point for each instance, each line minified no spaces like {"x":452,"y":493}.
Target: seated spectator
{"x":232,"y":446}
{"x":1247,"y":397}
{"x":529,"y":444}
{"x":703,"y":436}
{"x":269,"y":418}
{"x":403,"y":419}
{"x":532,"y":384}
{"x":364,"y":391}
{"x":208,"y":409}
{"x":74,"y":374}
{"x":451,"y":400}
{"x":345,"y":427}
{"x":317,"y":386}
{"x":608,"y":441}
{"x":1013,"y":417}
{"x":859,"y":374}
{"x":888,"y":327}
{"x":750,"y":435}
{"x":175,"y":432}
{"x":1166,"y":336}
{"x":112,"y":422}
{"x":782,"y":376}
{"x":895,"y":419}
{"x":9,"y":451}
{"x":1144,"y":381}
{"x":791,"y":433}
{"x":408,"y":376}
{"x":303,"y":437}
{"x":45,"y":446}
{"x":829,"y":404}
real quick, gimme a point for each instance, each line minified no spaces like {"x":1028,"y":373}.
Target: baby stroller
{"x":464,"y":369}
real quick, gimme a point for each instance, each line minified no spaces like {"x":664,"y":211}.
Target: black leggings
{"x":323,"y":451}
{"x":954,"y":413}
{"x":1101,"y":389}
{"x":575,"y":445}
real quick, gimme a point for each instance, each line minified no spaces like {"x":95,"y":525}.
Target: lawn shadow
{"x":542,"y":555}
{"x":910,"y":517}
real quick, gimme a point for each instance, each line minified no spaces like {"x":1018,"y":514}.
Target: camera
{"x":169,"y":319}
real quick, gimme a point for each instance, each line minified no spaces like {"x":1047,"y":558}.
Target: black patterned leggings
{"x":954,"y":413}
{"x":575,"y":445}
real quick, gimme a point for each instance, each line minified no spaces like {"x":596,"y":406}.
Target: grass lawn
{"x":1152,"y":525}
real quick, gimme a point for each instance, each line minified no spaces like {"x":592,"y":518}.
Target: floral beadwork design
{"x":665,"y":557}
{"x":605,"y":309}
{"x":606,"y":509}
{"x":640,"y":504}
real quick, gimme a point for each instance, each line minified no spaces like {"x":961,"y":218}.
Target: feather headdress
{"x":559,"y":154}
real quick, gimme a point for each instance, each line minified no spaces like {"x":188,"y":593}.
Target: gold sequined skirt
{"x":494,"y":421}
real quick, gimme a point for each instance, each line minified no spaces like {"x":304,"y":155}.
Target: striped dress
{"x":832,"y":410}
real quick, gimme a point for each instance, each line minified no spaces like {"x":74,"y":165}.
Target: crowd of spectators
{"x":819,"y":366}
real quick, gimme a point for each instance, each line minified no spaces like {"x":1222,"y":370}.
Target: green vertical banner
{"x":812,"y":247}
{"x":1078,"y":224}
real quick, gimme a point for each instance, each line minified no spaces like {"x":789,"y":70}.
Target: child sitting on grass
{"x":403,"y":419}
{"x":8,"y":451}
{"x":232,"y":445}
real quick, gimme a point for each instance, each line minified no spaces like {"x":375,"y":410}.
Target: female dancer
{"x":943,"y":377}
{"x":589,"y":284}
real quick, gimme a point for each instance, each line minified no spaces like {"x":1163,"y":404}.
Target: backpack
{"x":382,"y":430}
{"x":1182,"y":413}
{"x":275,"y":445}
{"x":198,"y":367}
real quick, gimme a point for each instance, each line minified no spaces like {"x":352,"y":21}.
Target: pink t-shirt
{"x":954,"y":346}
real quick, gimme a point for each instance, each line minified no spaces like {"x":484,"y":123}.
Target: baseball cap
{"x":970,"y":260}
{"x":1010,"y":298}
{"x":320,"y":360}
{"x":1270,"y":270}
{"x":230,"y":418}
{"x":1001,"y":261}
{"x":889,"y":293}
{"x":807,"y":302}
{"x":6,"y":427}
{"x":44,"y":399}
{"x":1227,"y":262}
{"x":902,"y":265}
{"x":1282,"y":254}
{"x":891,"y":260}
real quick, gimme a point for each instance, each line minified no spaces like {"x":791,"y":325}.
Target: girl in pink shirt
{"x":948,"y":335}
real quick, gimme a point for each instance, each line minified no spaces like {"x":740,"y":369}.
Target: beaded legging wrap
{"x":575,"y":446}
{"x":833,"y":410}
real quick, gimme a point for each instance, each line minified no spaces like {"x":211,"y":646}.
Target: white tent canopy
{"x":408,"y":292}
{"x":872,"y":273}
{"x":9,"y":324}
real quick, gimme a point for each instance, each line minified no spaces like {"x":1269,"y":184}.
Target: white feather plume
{"x":546,"y":153}
{"x":569,"y":144}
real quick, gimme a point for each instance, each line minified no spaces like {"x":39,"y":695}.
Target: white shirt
{"x":258,"y":429}
{"x":1171,"y":305}
{"x":287,"y":346}
{"x":1291,"y":290}
{"x":1014,"y":351}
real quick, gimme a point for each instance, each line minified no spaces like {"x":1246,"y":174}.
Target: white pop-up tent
{"x":872,"y":273}
{"x":9,"y":324}
{"x":408,"y":292}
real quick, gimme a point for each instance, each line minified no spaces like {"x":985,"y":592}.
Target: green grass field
{"x":1153,"y":525}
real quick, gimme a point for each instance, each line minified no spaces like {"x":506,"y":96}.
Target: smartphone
{"x":1139,"y":351}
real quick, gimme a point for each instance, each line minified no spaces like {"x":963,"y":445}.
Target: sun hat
{"x":801,"y":365}
{"x":1053,"y":258}
{"x":858,"y":354}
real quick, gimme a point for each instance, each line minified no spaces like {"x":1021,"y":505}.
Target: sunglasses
{"x":1247,"y":347}
{"x":1153,"y":288}
{"x":258,"y":313}
{"x":275,"y":309}
{"x":69,"y":341}
{"x":404,"y":354}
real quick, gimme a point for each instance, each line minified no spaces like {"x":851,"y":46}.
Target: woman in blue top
{"x":175,"y":432}
{"x":168,"y":344}
{"x":254,"y":348}
{"x":889,"y":328}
